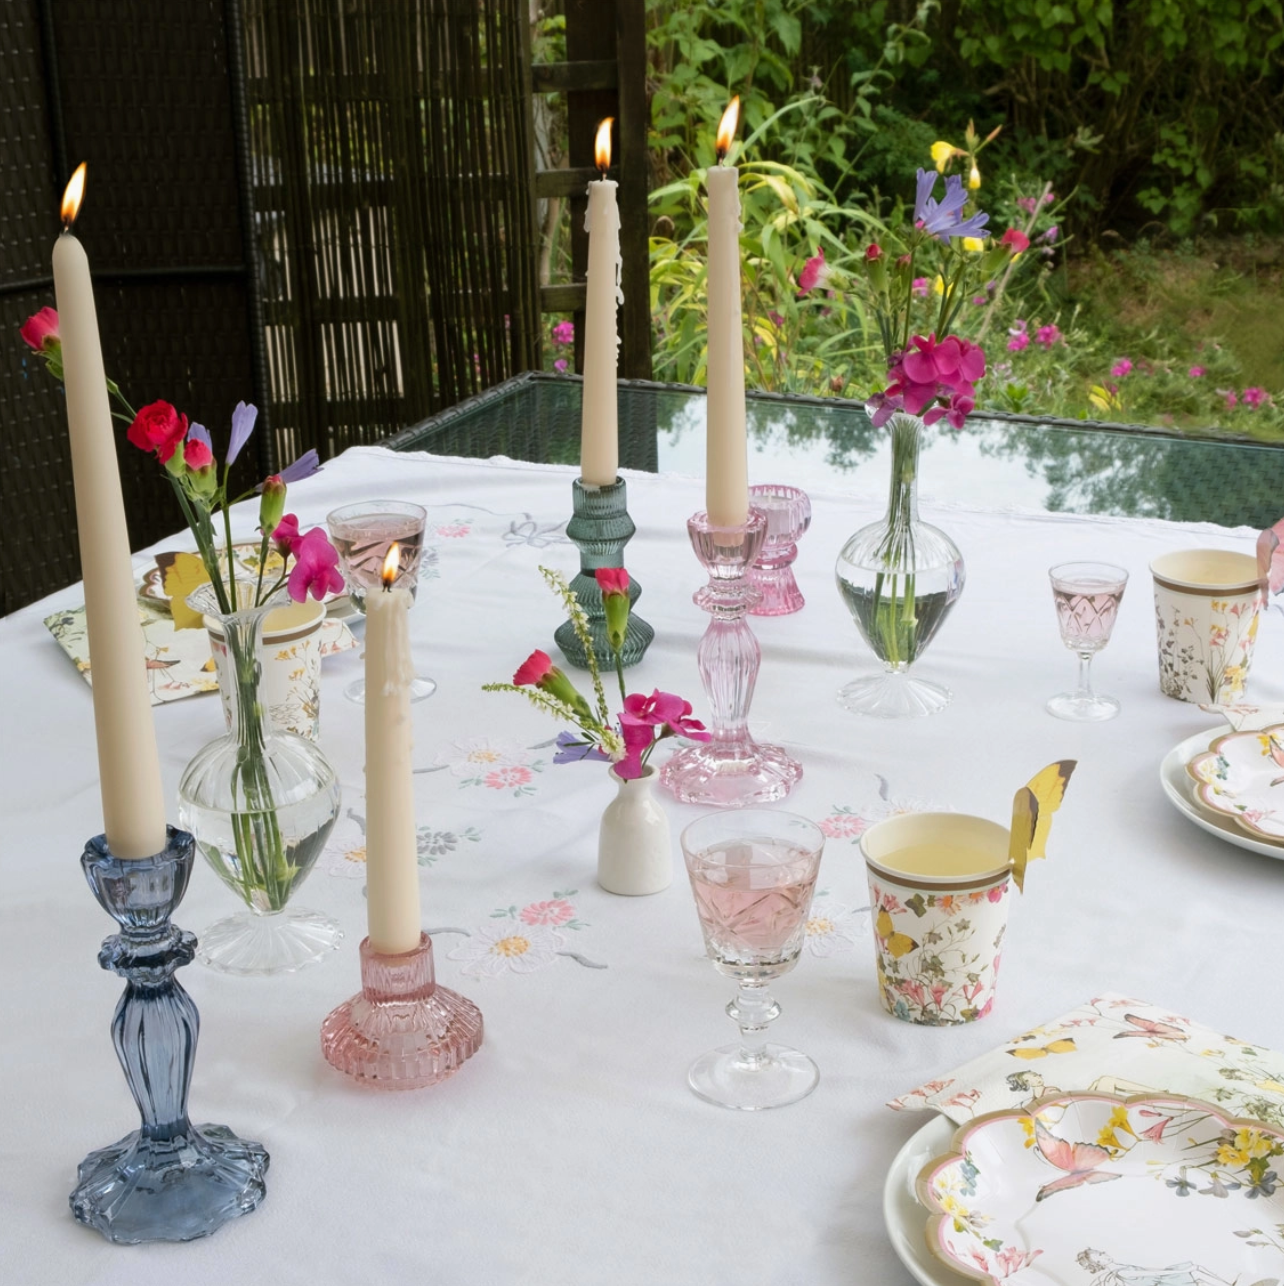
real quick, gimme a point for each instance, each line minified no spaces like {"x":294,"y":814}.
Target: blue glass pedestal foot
{"x":169,"y":1180}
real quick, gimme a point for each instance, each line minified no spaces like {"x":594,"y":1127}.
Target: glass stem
{"x":1083,"y":689}
{"x":752,"y":1009}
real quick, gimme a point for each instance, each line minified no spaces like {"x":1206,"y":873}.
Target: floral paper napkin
{"x":1115,"y":1045}
{"x":178,"y":662}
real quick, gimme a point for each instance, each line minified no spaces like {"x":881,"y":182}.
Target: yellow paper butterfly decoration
{"x":1032,"y":810}
{"x":181,"y":574}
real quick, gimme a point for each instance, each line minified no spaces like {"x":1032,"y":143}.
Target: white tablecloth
{"x":570,"y":1150}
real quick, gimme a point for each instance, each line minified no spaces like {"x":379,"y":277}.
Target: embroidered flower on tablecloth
{"x":850,"y":823}
{"x":492,"y":763}
{"x":522,"y":940}
{"x":455,"y":530}
{"x":831,"y":927}
{"x":348,"y":862}
{"x":348,"y":854}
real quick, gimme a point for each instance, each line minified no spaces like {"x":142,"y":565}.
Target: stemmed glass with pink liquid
{"x":363,"y":533}
{"x":753,"y":872}
{"x":1087,"y":597}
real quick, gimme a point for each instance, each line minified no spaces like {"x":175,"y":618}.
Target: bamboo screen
{"x":394,"y":219}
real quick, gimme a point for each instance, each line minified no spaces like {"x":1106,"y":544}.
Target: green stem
{"x":619,"y":671}
{"x":231,"y":558}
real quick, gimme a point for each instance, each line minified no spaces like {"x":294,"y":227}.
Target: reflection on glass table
{"x":996,"y":461}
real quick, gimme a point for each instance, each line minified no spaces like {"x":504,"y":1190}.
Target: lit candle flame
{"x":727,"y":128}
{"x":73,"y":195}
{"x":602,"y":145}
{"x":391,"y":565}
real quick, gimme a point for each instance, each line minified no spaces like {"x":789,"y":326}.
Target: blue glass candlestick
{"x":600,"y":525}
{"x":169,"y":1180}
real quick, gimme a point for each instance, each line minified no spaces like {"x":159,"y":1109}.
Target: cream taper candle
{"x":392,"y":859}
{"x":727,"y":453}
{"x":599,"y":417}
{"x":128,"y":765}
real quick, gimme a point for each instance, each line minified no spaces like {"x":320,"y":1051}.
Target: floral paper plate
{"x":1102,"y":1190}
{"x":1241,"y":776}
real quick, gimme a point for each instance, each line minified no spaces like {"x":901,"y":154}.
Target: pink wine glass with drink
{"x":1087,"y":597}
{"x":363,"y":534}
{"x":753,"y":872}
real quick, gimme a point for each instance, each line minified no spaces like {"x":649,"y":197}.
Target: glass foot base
{"x":778,"y":1076}
{"x":420,"y":690}
{"x":894,"y":695}
{"x":729,"y":776}
{"x":265,"y":944}
{"x":401,"y":1031}
{"x":141,"y":1190}
{"x":780,"y":593}
{"x":1082,"y":709}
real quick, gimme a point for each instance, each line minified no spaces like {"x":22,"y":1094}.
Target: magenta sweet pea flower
{"x":1254,"y":397}
{"x":1121,"y":368}
{"x":1018,"y":341}
{"x":285,"y":535}
{"x":1016,"y":239}
{"x":1231,"y":400}
{"x":1048,"y":335}
{"x":560,"y":366}
{"x":638,"y":737}
{"x":664,"y":708}
{"x":1197,"y":372}
{"x":316,"y":567}
{"x":921,"y":287}
{"x":564,"y":333}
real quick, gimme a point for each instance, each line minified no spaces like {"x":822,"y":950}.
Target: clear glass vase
{"x":261,"y":804}
{"x":899,"y":578}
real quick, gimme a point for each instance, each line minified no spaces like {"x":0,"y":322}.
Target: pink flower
{"x":996,"y":894}
{"x":1231,"y":400}
{"x":564,"y":333}
{"x":1028,"y":203}
{"x":873,"y":252}
{"x":560,"y":366}
{"x":1254,"y":397}
{"x":914,"y":990}
{"x":1121,"y":368}
{"x":812,"y":271}
{"x":1018,"y":341}
{"x":453,"y":531}
{"x":285,"y":536}
{"x":556,"y":912}
{"x":509,"y":778}
{"x":1197,"y":372}
{"x":843,"y":826}
{"x":316,"y":567}
{"x":638,"y":736}
{"x":1016,"y":239}
{"x":776,"y":319}
{"x":921,"y":287}
{"x":1048,"y":335}
{"x":197,"y":454}
{"x":533,"y":669}
{"x":40,"y":330}
{"x":160,"y":428}
{"x":664,"y":708}
{"x":938,"y":993}
{"x":1051,"y":235}
{"x":612,"y":580}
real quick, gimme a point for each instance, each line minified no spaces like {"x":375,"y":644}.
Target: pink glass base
{"x":401,"y":1031}
{"x":729,"y":776}
{"x":788,"y":513}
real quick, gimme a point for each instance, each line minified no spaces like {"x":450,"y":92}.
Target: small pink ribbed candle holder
{"x":731,"y":769}
{"x":788,"y":513}
{"x":401,"y":1031}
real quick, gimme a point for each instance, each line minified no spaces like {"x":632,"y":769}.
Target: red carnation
{"x":160,"y":428}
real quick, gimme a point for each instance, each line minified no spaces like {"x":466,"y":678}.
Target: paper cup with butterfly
{"x":940,"y":888}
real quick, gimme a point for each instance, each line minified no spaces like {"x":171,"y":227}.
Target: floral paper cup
{"x":939,"y":887}
{"x":1207,"y":603}
{"x":291,"y":660}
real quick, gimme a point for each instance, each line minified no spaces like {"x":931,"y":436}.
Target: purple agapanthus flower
{"x":944,"y":219}
{"x":571,"y":750}
{"x":243,"y":419}
{"x":304,"y":467}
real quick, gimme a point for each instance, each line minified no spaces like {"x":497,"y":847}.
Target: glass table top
{"x":994,"y":462}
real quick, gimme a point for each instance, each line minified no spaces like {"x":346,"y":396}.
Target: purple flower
{"x":243,"y":419}
{"x":560,"y":366}
{"x":1254,"y":397}
{"x":921,"y":287}
{"x":1048,"y":335}
{"x":1018,"y":341}
{"x":1121,"y":368}
{"x":1197,"y":372}
{"x":944,"y":219}
{"x":1051,"y":235}
{"x":304,"y":467}
{"x":564,"y":333}
{"x":572,"y":750}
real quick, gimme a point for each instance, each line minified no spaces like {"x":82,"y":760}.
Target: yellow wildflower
{"x":1231,"y":1157}
{"x":1119,"y":1120}
{"x":1253,"y":1143}
{"x":942,"y":154}
{"x":939,"y":287}
{"x":974,"y":244}
{"x":974,"y":179}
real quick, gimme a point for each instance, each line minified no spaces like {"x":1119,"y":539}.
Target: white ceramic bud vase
{"x":634,"y":848}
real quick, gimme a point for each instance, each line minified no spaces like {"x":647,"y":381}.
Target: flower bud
{"x":272,"y":503}
{"x":614,"y":584}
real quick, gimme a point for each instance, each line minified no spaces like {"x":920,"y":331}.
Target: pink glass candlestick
{"x":731,"y":769}
{"x":788,"y":513}
{"x":402,"y":1031}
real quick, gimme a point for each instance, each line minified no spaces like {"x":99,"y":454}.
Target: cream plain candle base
{"x":392,"y":858}
{"x":727,"y":452}
{"x":599,"y":415}
{"x":128,"y":763}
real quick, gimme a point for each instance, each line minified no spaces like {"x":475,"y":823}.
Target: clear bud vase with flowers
{"x":900,"y":576}
{"x":260,"y":802}
{"x":635,"y":848}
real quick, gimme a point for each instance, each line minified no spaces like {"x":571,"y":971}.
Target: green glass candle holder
{"x":601,"y":527}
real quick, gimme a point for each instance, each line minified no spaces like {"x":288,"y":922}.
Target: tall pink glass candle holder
{"x":401,"y":1031}
{"x":731,"y":769}
{"x":788,"y":511}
